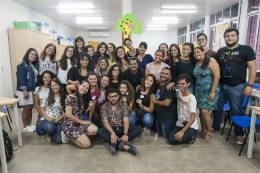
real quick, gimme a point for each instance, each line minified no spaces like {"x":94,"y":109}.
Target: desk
{"x":13,"y":101}
{"x":2,"y":145}
{"x":255,"y":97}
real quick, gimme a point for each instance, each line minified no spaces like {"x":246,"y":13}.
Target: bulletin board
{"x":94,"y":44}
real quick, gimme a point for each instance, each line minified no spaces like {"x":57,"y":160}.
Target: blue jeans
{"x":94,"y":120}
{"x":147,"y":119}
{"x":53,"y":130}
{"x":164,"y":127}
{"x":235,"y":97}
{"x":39,"y":129}
{"x":191,"y":88}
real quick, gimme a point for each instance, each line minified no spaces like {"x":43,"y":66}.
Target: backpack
{"x":8,"y":147}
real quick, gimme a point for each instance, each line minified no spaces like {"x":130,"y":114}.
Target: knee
{"x":132,"y":121}
{"x":172,"y":141}
{"x":93,"y":130}
{"x":50,"y":128}
{"x":204,"y":112}
{"x":86,"y":145}
{"x":40,"y":130}
{"x":57,"y":141}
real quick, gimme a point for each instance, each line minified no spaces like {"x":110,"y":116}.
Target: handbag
{"x":139,"y":112}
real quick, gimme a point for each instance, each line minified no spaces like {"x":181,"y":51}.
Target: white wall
{"x":152,"y":38}
{"x":11,"y":11}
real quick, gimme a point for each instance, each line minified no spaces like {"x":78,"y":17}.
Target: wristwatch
{"x":251,"y":85}
{"x":126,"y":134}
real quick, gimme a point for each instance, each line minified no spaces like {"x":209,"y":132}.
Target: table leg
{"x":251,"y":134}
{"x":2,"y":150}
{"x":3,"y":121}
{"x":16,"y":115}
{"x":248,"y":106}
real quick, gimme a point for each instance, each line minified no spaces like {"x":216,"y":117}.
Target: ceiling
{"x":111,"y":10}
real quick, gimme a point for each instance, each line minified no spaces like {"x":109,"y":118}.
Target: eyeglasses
{"x":70,"y":51}
{"x":111,"y":97}
{"x":102,"y":62}
{"x":117,"y":70}
{"x":129,"y":43}
{"x":202,"y":39}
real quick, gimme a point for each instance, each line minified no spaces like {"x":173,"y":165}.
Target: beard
{"x":164,"y":79}
{"x":113,"y":103}
{"x":231,"y":45}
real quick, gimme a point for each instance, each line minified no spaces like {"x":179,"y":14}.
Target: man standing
{"x":202,"y":41}
{"x":134,"y":74}
{"x":233,"y":62}
{"x":116,"y":130}
{"x":165,"y":105}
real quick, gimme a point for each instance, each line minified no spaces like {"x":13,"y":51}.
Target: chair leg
{"x":244,"y":143}
{"x":229,"y":131}
{"x":224,"y":123}
{"x":254,"y":137}
{"x":9,"y":114}
{"x":8,"y":123}
{"x":229,"y":117}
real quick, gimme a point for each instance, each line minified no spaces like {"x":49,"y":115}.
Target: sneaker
{"x":212,"y":130}
{"x":33,"y":127}
{"x":240,"y":140}
{"x":28,"y":129}
{"x":111,"y":149}
{"x":64,"y":138}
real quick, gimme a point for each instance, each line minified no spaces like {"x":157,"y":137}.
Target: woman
{"x":143,"y":59}
{"x":41,"y":93}
{"x":175,"y":54}
{"x":47,"y":59}
{"x":90,"y":50}
{"x":156,"y":66}
{"x":127,"y":94}
{"x":102,"y":66}
{"x":111,"y":52}
{"x":73,"y":126}
{"x":207,"y":75}
{"x":164,"y":47}
{"x":79,"y":73}
{"x":101,"y":52}
{"x":52,"y":110}
{"x":121,"y":58}
{"x":65,"y":63}
{"x":26,"y":76}
{"x":115,"y":76}
{"x":79,"y":45}
{"x":132,"y":51}
{"x":144,"y":106}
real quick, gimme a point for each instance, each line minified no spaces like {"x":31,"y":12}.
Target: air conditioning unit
{"x":99,"y":34}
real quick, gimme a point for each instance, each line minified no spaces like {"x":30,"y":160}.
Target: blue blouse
{"x":146,"y":60}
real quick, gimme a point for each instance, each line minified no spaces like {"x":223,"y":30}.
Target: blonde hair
{"x":98,"y":70}
{"x":43,"y":53}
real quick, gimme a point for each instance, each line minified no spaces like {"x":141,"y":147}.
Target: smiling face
{"x":69,"y":52}
{"x":129,"y":44}
{"x":104,"y":81}
{"x":110,"y":48}
{"x":84,"y":62}
{"x":46,"y":79}
{"x":102,"y":49}
{"x":165,"y":75}
{"x":32,"y":56}
{"x":92,"y":79}
{"x":79,"y":44}
{"x":103,"y":64}
{"x":199,"y":55}
{"x":164,"y":48}
{"x":120,"y":53}
{"x":83,"y":88}
{"x":142,"y":50}
{"x":90,"y":51}
{"x":186,"y":50}
{"x":158,"y":56}
{"x":55,"y":87}
{"x":123,"y":89}
{"x":115,"y":71}
{"x":133,"y":65}
{"x":148,"y":82}
{"x":231,"y":38}
{"x":202,"y":41}
{"x":49,"y":50}
{"x":183,"y":85}
{"x":174,"y":51}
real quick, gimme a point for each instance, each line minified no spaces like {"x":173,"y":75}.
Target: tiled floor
{"x":155,"y":155}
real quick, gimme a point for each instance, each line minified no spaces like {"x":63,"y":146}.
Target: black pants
{"x":187,"y":137}
{"x":119,"y":131}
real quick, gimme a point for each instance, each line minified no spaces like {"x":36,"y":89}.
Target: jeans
{"x":191,"y":88}
{"x":165,"y":126}
{"x":235,"y":97}
{"x":94,"y":120}
{"x":147,"y":119}
{"x":53,"y":130}
{"x":39,"y":129}
{"x":187,"y":137}
{"x":133,"y":132}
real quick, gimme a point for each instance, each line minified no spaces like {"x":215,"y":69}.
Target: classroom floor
{"x":155,"y":155}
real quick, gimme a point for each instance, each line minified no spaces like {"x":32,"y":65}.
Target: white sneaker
{"x":28,"y":129}
{"x":33,"y":127}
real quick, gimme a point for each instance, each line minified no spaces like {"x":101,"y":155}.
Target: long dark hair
{"x":85,"y":98}
{"x":118,"y":60}
{"x":153,"y":87}
{"x":51,"y":98}
{"x":191,"y":55}
{"x":76,"y":47}
{"x":178,"y":55}
{"x":205,"y":61}
{"x":129,"y":86}
{"x":99,"y":81}
{"x":110,"y":75}
{"x":26,"y":57}
{"x":81,"y":56}
{"x":97,"y":54}
{"x":40,"y":78}
{"x":165,"y":45}
{"x":43,"y":53}
{"x":94,"y":74}
{"x":63,"y":60}
{"x":86,"y":49}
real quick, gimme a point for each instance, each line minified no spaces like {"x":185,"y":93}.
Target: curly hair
{"x":129,"y":86}
{"x":118,"y":60}
{"x":98,"y":69}
{"x":110,"y":75}
{"x":43,"y":53}
{"x":51,"y":98}
{"x":40,"y":78}
{"x":63,"y":60}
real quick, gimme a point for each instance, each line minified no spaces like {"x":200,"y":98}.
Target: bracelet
{"x":143,"y":107}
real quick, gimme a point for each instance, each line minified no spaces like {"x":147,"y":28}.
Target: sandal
{"x":64,"y":138}
{"x":202,"y":135}
{"x":193,"y":139}
{"x":49,"y":139}
{"x":204,"y":140}
{"x":148,"y":132}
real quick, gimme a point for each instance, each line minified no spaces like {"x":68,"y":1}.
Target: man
{"x":233,"y":62}
{"x":202,"y":41}
{"x":186,"y":126}
{"x":134,"y":74}
{"x":116,"y":130}
{"x":165,"y":105}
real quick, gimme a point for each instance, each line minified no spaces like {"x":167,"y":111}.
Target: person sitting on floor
{"x":115,"y":119}
{"x":186,"y":125}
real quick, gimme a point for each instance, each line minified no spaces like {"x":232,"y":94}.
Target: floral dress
{"x":72,"y":129}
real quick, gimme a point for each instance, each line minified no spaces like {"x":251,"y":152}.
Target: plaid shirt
{"x":115,"y":118}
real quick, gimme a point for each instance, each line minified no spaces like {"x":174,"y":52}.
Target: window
{"x":191,"y":38}
{"x":219,"y":17}
{"x":253,"y":5}
{"x":233,"y":24}
{"x":199,"y":24}
{"x":185,"y":30}
{"x":226,"y":14}
{"x":212,"y":37}
{"x":203,"y":23}
{"x":212,"y":19}
{"x":234,"y":11}
{"x":194,"y":36}
{"x":191,"y":27}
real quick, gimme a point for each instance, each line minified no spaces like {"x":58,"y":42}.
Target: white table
{"x":2,"y":146}
{"x":255,"y":97}
{"x":255,"y":110}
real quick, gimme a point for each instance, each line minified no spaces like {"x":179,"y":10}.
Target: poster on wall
{"x":219,"y":37}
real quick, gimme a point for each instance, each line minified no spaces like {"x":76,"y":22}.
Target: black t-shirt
{"x":233,"y":64}
{"x":114,"y":85}
{"x":73,"y":74}
{"x":166,"y":112}
{"x":183,"y":67}
{"x":137,"y":53}
{"x":134,"y":79}
{"x":145,"y":98}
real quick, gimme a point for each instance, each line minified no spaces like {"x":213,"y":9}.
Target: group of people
{"x":112,"y":93}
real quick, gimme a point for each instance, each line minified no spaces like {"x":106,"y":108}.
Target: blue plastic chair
{"x":244,"y":122}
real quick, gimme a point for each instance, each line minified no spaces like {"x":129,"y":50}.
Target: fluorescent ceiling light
{"x":185,"y":6}
{"x":164,"y":22}
{"x":89,"y":22}
{"x":97,"y":27}
{"x":178,"y":11}
{"x":81,"y":11}
{"x":89,"y":18}
{"x":165,"y":18}
{"x":75,"y":6}
{"x":156,"y":26}
{"x":152,"y":29}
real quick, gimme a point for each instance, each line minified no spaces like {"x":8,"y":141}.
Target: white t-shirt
{"x":46,"y":65}
{"x":186,"y":106}
{"x":62,"y":75}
